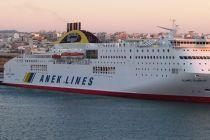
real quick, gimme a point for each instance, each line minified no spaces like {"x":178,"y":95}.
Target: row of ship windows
{"x":194,"y":57}
{"x":147,"y":69}
{"x":33,"y":61}
{"x":139,"y":57}
{"x":143,"y":50}
{"x":155,"y":57}
{"x":158,"y":50}
{"x":197,"y":50}
{"x":173,"y":70}
{"x":148,"y":63}
{"x":152,"y":75}
{"x":109,"y":45}
{"x":38,"y":67}
{"x":73,"y":61}
{"x":117,"y":57}
{"x":168,"y":63}
{"x":29,"y":61}
{"x":189,"y":42}
{"x":98,"y":62}
{"x":122,"y":45}
{"x":104,"y":70}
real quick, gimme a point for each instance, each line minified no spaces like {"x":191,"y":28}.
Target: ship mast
{"x":172,"y":30}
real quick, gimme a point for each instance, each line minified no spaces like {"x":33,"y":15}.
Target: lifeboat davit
{"x":72,"y":55}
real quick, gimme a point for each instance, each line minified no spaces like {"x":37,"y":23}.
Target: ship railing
{"x":142,"y":43}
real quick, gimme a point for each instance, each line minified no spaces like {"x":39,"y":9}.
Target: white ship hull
{"x":127,"y":71}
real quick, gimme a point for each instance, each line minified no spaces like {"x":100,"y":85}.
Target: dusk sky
{"x":105,"y":15}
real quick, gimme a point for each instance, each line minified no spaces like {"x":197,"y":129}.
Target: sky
{"x":105,"y":15}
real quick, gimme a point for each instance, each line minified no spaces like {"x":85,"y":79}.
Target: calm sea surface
{"x":43,"y":115}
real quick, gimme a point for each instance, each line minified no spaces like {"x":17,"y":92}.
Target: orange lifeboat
{"x":56,"y":56}
{"x":72,"y":54}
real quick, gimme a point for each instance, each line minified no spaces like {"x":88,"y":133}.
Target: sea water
{"x":27,"y":114}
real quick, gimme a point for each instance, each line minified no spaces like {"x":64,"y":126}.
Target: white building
{"x":16,"y":36}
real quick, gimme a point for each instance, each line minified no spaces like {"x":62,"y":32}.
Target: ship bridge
{"x":190,"y":43}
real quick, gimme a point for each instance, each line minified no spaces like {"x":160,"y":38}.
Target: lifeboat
{"x":72,"y":55}
{"x":56,"y":56}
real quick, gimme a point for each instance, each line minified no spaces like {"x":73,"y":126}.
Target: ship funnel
{"x":73,"y":26}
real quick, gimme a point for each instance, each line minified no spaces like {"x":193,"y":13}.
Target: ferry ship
{"x":168,"y":68}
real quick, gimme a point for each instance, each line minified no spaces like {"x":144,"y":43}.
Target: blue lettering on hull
{"x":71,"y":80}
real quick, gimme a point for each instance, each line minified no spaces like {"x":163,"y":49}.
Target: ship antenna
{"x":172,"y":30}
{"x":173,"y":23}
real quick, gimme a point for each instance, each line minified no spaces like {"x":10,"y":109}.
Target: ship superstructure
{"x":166,"y":68}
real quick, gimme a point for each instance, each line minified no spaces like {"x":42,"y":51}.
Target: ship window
{"x":92,"y":54}
{"x":181,"y":57}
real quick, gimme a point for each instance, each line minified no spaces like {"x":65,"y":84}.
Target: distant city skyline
{"x":108,"y":16}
